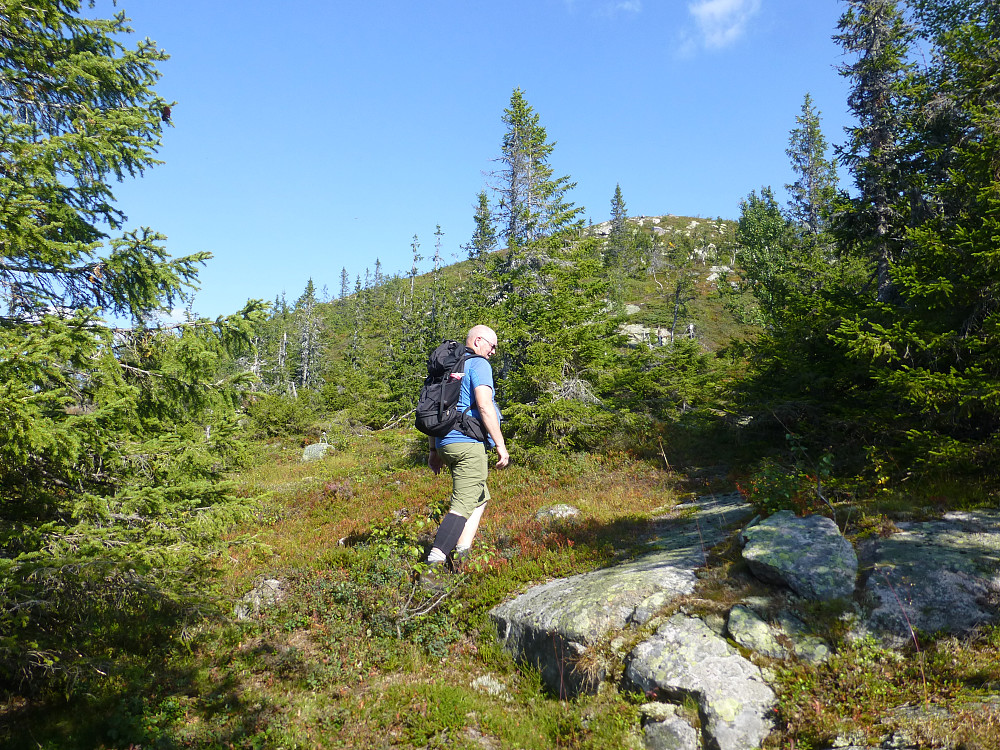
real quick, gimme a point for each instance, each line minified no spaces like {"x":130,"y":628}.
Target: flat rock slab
{"x":686,"y":659}
{"x":552,"y":624}
{"x":701,"y":525}
{"x":939,"y":576}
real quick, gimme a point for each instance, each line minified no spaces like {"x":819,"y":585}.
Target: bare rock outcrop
{"x":936,"y":576}
{"x":552,"y":625}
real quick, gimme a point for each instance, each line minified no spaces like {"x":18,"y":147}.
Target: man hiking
{"x":466,"y":456}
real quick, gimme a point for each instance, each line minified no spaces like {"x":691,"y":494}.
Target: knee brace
{"x":449,"y":532}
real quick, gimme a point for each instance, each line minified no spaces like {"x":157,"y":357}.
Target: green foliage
{"x":763,"y":239}
{"x":279,"y":415}
{"x":665,"y":383}
{"x":113,"y":441}
{"x":885,"y":334}
{"x":532,"y":203}
{"x":797,"y":484}
{"x":374,"y":589}
{"x":813,"y":193}
{"x":569,"y":424}
{"x":484,"y":238}
{"x":866,"y":683}
{"x":928,"y":347}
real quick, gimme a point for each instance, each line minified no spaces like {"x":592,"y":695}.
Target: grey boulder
{"x":685,"y":659}
{"x":808,"y":555}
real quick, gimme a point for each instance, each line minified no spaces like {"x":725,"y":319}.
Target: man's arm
{"x":488,"y":416}
{"x":434,"y":460}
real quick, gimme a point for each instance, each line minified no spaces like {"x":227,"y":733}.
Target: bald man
{"x":466,"y":456}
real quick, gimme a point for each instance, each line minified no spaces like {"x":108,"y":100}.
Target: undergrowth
{"x":357,"y":654}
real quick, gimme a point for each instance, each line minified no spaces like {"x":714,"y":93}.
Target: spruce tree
{"x":814,"y":190}
{"x":417,"y":257}
{"x":111,"y":438}
{"x":484,"y":238}
{"x":876,"y":33}
{"x":763,"y":254}
{"x":345,"y":283}
{"x":936,"y":353}
{"x":616,"y":250}
{"x":619,"y":234}
{"x":532,"y":203}
{"x":309,"y":330}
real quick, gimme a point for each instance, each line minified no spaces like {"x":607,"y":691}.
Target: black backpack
{"x":437,"y":411}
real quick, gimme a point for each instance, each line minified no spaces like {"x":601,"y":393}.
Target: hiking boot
{"x":457,"y":560}
{"x":434,"y":577}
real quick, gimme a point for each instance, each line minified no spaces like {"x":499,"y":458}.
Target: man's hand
{"x":488,"y":416}
{"x":503,"y":457}
{"x":435,"y":462}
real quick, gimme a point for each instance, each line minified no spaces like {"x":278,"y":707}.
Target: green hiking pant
{"x":469,"y":469}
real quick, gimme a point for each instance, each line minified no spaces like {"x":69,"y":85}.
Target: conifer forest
{"x":839,"y":352}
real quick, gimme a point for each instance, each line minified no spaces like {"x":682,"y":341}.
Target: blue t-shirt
{"x":477,"y":372}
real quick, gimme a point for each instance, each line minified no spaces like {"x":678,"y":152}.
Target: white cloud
{"x":606,"y":8}
{"x":722,"y":22}
{"x":624,"y":6}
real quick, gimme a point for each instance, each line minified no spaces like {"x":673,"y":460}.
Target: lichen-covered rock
{"x":315,"y":451}
{"x":685,"y":659}
{"x":753,"y":633}
{"x":808,"y":555}
{"x":551,"y":625}
{"x":936,"y":576}
{"x":787,"y":636}
{"x":561,"y":512}
{"x":807,"y":647}
{"x":265,"y":593}
{"x":491,"y":686}
{"x":664,"y":729}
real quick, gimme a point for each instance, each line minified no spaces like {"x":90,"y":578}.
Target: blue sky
{"x":311,"y":136}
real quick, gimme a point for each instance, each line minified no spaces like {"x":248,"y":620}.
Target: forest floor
{"x":356,"y":654}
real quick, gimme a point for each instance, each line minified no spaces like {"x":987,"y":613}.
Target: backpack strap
{"x":469,"y":354}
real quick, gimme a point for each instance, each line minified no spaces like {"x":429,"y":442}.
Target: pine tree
{"x":813,"y":192}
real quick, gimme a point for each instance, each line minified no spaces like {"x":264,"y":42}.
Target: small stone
{"x":491,"y":686}
{"x":315,"y":451}
{"x":558,"y":512}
